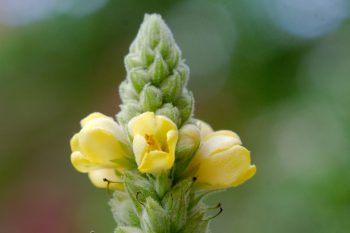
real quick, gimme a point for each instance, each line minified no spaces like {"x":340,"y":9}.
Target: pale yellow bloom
{"x":154,"y":142}
{"x":221,"y":161}
{"x":204,"y":127}
{"x":97,"y":177}
{"x":99,"y":144}
{"x":190,"y":132}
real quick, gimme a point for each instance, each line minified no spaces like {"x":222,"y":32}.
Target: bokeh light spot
{"x":308,"y":19}
{"x":16,"y":13}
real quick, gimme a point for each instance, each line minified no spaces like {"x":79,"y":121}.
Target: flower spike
{"x":157,"y":159}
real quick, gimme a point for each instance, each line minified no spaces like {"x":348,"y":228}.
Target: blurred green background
{"x":275,"y":71}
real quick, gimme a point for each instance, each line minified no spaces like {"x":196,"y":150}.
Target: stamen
{"x":217,"y":214}
{"x":149,"y":139}
{"x":152,"y":142}
{"x":108,"y":183}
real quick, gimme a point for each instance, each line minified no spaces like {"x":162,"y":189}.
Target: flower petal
{"x":100,"y":141}
{"x":91,"y":117}
{"x":140,"y":147}
{"x":109,"y":125}
{"x":172,"y":137}
{"x":142,"y":124}
{"x":74,"y":142}
{"x":190,"y":131}
{"x":228,"y":168}
{"x":205,"y":128}
{"x":81,"y":163}
{"x":158,"y":153}
{"x":245,"y":176}
{"x":155,"y":162}
{"x":164,"y":125}
{"x":219,"y":141}
{"x":97,"y":178}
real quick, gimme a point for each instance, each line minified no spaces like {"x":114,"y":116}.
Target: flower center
{"x":152,"y":142}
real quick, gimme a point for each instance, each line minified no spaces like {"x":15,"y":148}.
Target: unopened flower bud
{"x":123,"y":209}
{"x":154,"y":217}
{"x":174,"y":57}
{"x":177,"y":201}
{"x":196,"y":222}
{"x":171,"y":87}
{"x":127,"y":92}
{"x":158,"y":70}
{"x":147,"y":54}
{"x":151,"y":98}
{"x":154,"y":32}
{"x":171,"y":112}
{"x":133,"y":60}
{"x":154,"y":61}
{"x":138,"y":187}
{"x":184,"y":72}
{"x":189,"y":139}
{"x":139,"y":78}
{"x":185,"y":105}
{"x":128,"y":111}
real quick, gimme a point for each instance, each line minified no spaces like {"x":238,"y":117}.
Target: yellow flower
{"x":154,"y":142}
{"x":221,"y":161}
{"x":97,"y":177}
{"x":204,"y":127}
{"x":96,"y":148}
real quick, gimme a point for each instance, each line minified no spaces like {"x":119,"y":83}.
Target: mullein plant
{"x":157,"y":158}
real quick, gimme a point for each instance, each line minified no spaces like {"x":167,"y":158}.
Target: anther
{"x":149,"y":140}
{"x":108,"y":184}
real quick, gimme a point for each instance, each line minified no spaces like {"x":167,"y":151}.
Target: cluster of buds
{"x":159,"y":160}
